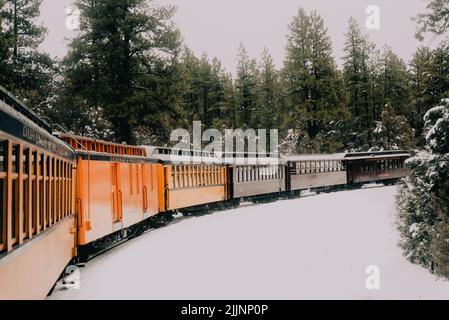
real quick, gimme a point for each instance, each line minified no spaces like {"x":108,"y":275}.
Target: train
{"x":66,"y":198}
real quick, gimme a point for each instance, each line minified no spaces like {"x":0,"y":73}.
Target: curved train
{"x":66,"y":198}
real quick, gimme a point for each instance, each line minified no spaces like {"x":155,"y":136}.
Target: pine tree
{"x":26,"y":72}
{"x":423,"y":199}
{"x":435,"y":20}
{"x":393,"y":131}
{"x":438,"y":87}
{"x":123,"y":63}
{"x":269,"y":90}
{"x":4,"y":49}
{"x":207,"y":90}
{"x":395,"y":81}
{"x":314,"y":89}
{"x":420,"y":80}
{"x":359,"y":77}
{"x":246,"y":86}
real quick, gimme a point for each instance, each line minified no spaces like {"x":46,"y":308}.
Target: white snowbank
{"x":310,"y":248}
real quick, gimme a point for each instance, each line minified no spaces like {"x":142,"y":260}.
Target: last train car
{"x":382,"y":166}
{"x":37,"y":207}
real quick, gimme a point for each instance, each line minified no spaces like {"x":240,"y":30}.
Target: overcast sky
{"x":218,"y":26}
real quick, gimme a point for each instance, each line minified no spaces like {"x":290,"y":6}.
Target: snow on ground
{"x":316,"y":247}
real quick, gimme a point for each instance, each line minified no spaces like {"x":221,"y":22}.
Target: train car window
{"x":25,"y":161}
{"x":41,"y":164}
{"x":198,"y":176}
{"x":41,"y":199}
{"x":25,"y":203}
{"x":203,"y":175}
{"x":189,"y":175}
{"x":47,"y":197}
{"x":14,"y":209}
{"x":2,"y":211}
{"x":172,"y":181}
{"x":15,"y":158}
{"x":218,"y":174}
{"x":2,"y":156}
{"x":303,"y":167}
{"x":182,"y":176}
{"x":182,"y":172}
{"x":195,"y":175}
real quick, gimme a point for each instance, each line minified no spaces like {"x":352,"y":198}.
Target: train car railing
{"x":35,"y":192}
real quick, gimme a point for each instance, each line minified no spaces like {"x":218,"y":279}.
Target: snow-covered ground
{"x":316,"y":247}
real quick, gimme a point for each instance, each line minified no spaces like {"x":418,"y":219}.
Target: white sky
{"x":218,"y":26}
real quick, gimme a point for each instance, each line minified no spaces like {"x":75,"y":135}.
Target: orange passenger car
{"x":37,"y":216}
{"x":117,"y":187}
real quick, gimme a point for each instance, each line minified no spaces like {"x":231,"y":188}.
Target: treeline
{"x":128,"y":77}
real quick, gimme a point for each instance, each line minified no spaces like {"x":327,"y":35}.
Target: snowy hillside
{"x":316,"y":247}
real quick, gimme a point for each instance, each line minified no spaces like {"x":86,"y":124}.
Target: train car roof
{"x":16,"y":124}
{"x":183,"y":156}
{"x":20,"y":107}
{"x":315,"y":157}
{"x":165,"y":154}
{"x":377,"y":155}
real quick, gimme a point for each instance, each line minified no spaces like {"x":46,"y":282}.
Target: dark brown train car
{"x":376,"y":166}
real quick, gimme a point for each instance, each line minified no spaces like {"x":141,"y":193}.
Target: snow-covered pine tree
{"x":423,"y":198}
{"x":393,"y":131}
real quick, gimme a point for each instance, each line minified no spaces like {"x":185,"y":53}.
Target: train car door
{"x":372,"y":170}
{"x":116,"y":193}
{"x":350,"y":171}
